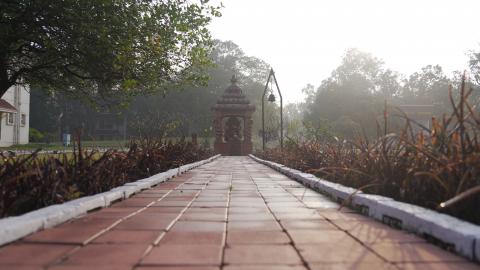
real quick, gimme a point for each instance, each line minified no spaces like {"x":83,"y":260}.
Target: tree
{"x":429,"y":85}
{"x":45,"y":111}
{"x":474,"y":63}
{"x":58,"y":114}
{"x":193,"y":104}
{"x":353,"y":95}
{"x":103,"y":50}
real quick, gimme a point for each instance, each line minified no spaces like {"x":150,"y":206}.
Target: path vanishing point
{"x":232,"y":214}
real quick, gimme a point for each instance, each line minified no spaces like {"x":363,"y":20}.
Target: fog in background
{"x":304,"y":40}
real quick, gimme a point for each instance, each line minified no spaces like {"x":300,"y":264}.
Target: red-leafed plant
{"x":438,"y":168}
{"x":33,"y":181}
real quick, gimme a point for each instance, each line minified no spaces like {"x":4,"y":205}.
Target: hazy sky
{"x":304,"y":40}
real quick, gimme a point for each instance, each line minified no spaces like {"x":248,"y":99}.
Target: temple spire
{"x":234,"y":79}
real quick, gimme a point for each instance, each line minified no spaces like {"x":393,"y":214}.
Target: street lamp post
{"x":271,"y":98}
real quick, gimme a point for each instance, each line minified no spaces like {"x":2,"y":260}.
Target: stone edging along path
{"x":13,"y":228}
{"x":451,"y":233}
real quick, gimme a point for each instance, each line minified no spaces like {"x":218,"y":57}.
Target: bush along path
{"x":437,"y":168}
{"x":30,"y":182}
{"x":442,"y":230}
{"x":232,"y":213}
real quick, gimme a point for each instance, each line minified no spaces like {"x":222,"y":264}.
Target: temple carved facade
{"x":232,"y":122}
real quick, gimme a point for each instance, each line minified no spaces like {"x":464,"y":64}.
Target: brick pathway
{"x":232,"y":214}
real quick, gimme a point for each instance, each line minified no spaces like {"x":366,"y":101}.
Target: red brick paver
{"x":231,"y":214}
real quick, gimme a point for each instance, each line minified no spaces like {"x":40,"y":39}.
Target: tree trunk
{"x":5,"y":83}
{"x":4,"y":86}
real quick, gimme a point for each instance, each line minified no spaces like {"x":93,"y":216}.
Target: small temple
{"x":232,"y":122}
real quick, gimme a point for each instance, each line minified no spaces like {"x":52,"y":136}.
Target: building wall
{"x":7,"y":131}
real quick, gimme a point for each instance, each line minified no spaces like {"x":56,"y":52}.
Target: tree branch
{"x":66,"y":67}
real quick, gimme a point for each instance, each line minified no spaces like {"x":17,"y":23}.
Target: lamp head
{"x":271,"y":98}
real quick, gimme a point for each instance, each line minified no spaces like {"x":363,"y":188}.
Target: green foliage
{"x":352,"y":100}
{"x":35,"y":135}
{"x":292,"y":118}
{"x":474,"y":63}
{"x":104,"y":51}
{"x":157,"y":124}
{"x":318,"y":131}
{"x":429,"y":86}
{"x":193,"y":104}
{"x":353,"y":94}
{"x":45,"y":111}
{"x":346,"y":126}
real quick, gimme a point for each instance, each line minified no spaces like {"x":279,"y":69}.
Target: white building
{"x":14,"y":116}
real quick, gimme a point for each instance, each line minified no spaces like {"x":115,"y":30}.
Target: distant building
{"x":14,"y":116}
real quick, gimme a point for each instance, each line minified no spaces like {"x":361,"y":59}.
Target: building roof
{"x":6,"y":107}
{"x":233,"y":99}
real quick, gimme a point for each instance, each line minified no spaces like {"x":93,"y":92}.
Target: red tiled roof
{"x":6,"y":107}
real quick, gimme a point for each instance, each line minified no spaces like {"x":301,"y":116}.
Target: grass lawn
{"x":60,"y":146}
{"x":120,"y":144}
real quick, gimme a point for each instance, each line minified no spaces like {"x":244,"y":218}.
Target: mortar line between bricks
{"x":335,"y":225}
{"x":128,"y":217}
{"x":110,"y":227}
{"x":268,"y":185}
{"x":156,"y":242}
{"x":361,"y":243}
{"x":175,"y":220}
{"x":225,"y":235}
{"x":170,"y":225}
{"x":304,"y":261}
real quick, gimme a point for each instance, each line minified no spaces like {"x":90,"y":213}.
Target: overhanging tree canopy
{"x":103,"y":50}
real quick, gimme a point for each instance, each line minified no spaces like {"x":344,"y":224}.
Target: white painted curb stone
{"x":13,"y":228}
{"x":16,"y":227}
{"x":455,"y":234}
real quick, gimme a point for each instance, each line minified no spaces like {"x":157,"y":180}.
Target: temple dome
{"x":233,"y":98}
